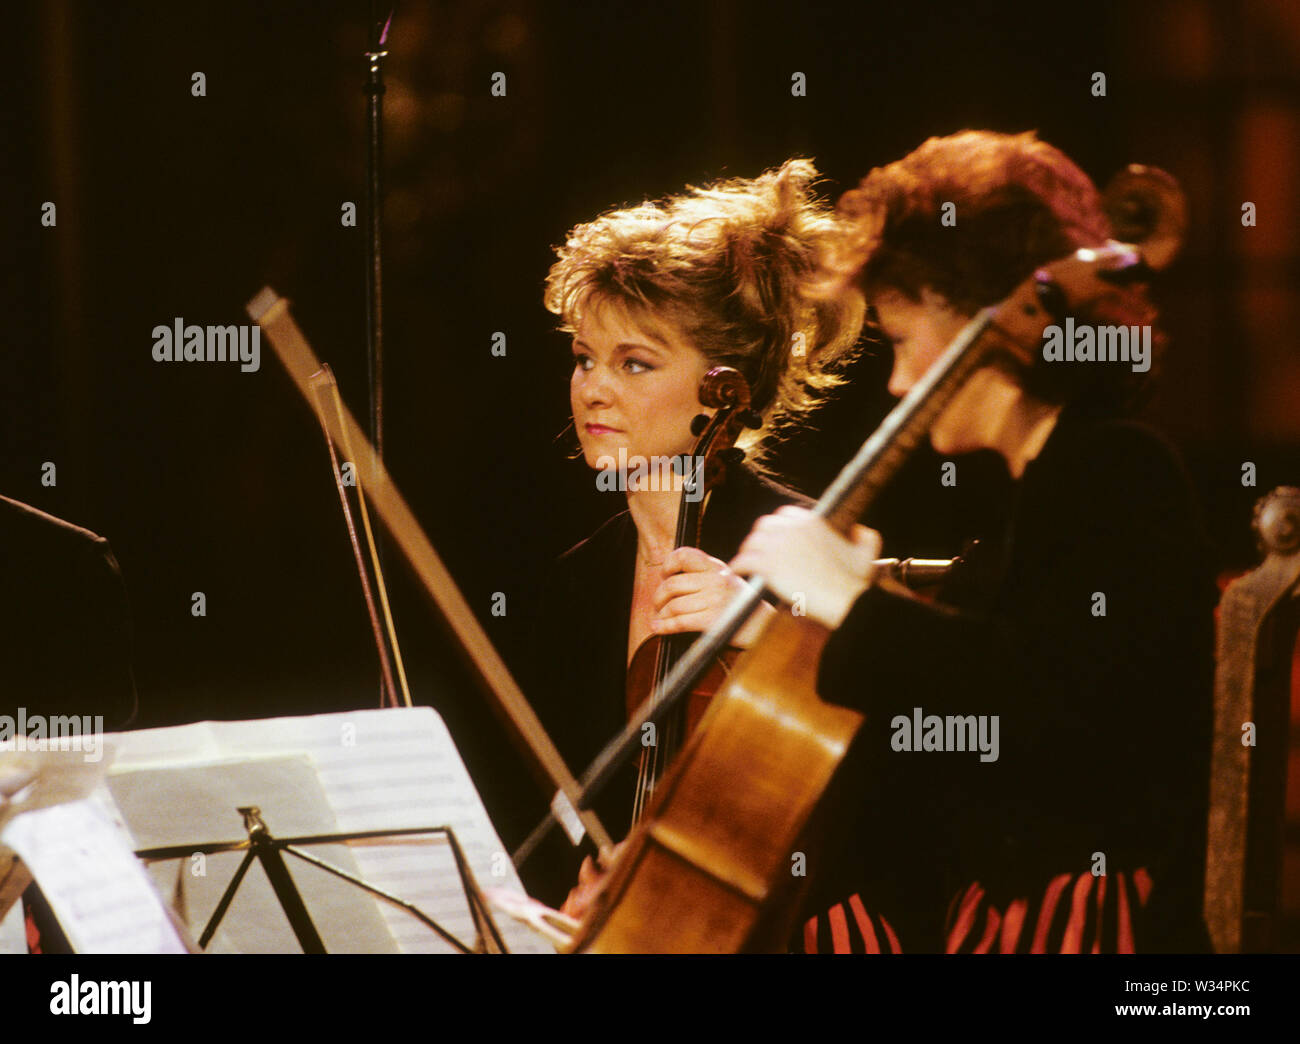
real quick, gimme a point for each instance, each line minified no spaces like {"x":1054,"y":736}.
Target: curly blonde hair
{"x":726,"y":267}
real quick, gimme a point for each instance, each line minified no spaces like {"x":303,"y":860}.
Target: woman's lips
{"x":600,"y":429}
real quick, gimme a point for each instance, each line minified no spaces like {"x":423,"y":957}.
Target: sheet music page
{"x":95,"y":886}
{"x":379,"y":769}
{"x":177,"y":744}
{"x":30,"y":780}
{"x":13,"y":932}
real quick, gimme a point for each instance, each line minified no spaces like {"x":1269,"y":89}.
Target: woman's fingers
{"x":587,"y":873}
{"x":809,"y":564}
{"x":697,"y":589}
{"x":697,"y":622}
{"x":691,"y":559}
{"x":684,"y":584}
{"x":591,"y":879}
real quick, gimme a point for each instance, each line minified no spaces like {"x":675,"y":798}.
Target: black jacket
{"x":577,"y":669}
{"x":1104,"y":720}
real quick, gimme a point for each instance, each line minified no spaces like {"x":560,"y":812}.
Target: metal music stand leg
{"x":226,"y":899}
{"x":268,"y":849}
{"x":484,"y":924}
{"x":262,"y":846}
{"x":487,"y":938}
{"x":410,"y":908}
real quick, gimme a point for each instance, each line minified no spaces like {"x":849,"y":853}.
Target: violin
{"x":725,"y":391}
{"x":714,"y":865}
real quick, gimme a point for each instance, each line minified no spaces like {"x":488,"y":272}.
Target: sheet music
{"x":379,"y":769}
{"x":94,"y":884}
{"x":13,"y":932}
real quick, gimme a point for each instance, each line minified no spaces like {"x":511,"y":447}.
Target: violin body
{"x":641,"y":679}
{"x":644,"y":675}
{"x":713,"y":867}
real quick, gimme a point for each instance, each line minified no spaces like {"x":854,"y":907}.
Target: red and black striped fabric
{"x":847,"y":927}
{"x":1074,"y":913}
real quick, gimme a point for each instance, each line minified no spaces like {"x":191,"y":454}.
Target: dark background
{"x":208,"y":479}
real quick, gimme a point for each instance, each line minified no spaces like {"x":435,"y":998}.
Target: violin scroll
{"x":724,"y":390}
{"x":1148,"y":209}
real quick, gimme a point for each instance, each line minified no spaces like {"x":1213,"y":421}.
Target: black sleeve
{"x":1101,"y":716}
{"x":890,"y":644}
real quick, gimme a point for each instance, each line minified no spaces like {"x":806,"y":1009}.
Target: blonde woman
{"x":654,"y":296}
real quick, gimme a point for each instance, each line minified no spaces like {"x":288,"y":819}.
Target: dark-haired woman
{"x":1079,"y":646}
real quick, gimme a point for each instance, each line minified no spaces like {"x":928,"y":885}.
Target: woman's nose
{"x":595,"y":387}
{"x":900,"y":382}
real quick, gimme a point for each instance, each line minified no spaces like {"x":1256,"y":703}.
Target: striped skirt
{"x":1075,"y":913}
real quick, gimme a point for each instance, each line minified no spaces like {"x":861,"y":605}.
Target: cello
{"x":714,"y":866}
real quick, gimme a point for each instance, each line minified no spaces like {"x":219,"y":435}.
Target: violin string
{"x":648,"y":762}
{"x":650,"y":755}
{"x":665,"y":665}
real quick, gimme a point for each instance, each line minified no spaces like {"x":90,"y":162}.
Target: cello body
{"x":715,"y":868}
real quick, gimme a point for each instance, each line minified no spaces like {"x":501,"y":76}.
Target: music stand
{"x":261,"y":845}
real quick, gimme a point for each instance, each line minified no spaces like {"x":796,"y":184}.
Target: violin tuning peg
{"x":733,"y":455}
{"x":698,"y":423}
{"x":752,"y":419}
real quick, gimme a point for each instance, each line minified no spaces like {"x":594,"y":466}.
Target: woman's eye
{"x":582,"y":362}
{"x":637,"y":366}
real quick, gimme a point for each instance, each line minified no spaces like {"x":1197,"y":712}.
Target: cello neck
{"x":908,"y":424}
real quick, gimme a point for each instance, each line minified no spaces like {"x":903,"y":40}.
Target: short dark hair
{"x":971,"y":216}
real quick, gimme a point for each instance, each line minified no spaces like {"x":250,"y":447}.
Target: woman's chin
{"x":596,"y":449}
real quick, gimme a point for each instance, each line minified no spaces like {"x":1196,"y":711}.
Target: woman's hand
{"x":808,"y":563}
{"x":591,"y":879}
{"x":696,"y":590}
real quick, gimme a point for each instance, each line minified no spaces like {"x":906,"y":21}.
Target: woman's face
{"x":921,"y":331}
{"x":632,"y":389}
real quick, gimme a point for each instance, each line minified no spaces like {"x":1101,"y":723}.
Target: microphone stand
{"x":378,"y":38}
